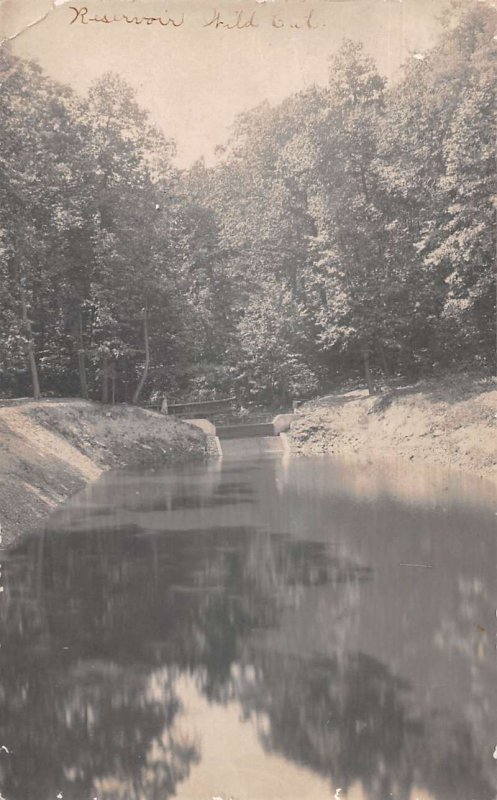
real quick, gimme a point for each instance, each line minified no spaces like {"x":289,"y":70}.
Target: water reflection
{"x":350,"y":630}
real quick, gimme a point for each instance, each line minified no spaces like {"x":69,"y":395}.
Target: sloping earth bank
{"x":51,"y":449}
{"x":451,"y":423}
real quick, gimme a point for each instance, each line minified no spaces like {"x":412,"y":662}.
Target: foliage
{"x":352,"y":222}
{"x":272,"y":333}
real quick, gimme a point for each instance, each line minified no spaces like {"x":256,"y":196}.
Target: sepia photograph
{"x":248,"y":399}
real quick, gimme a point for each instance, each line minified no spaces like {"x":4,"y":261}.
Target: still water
{"x":256,"y":630}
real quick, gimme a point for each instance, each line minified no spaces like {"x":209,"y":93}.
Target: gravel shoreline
{"x":452,"y":423}
{"x":51,"y":449}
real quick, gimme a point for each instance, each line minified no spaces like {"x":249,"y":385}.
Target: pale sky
{"x":195,"y":78}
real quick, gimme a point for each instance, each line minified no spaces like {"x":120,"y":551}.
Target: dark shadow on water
{"x":300,"y":614}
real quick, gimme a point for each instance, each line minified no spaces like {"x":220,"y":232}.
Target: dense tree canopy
{"x":351,"y":227}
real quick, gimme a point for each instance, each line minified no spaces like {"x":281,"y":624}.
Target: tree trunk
{"x":144,"y":376}
{"x":81,"y":359}
{"x":105,"y":379}
{"x":367,"y":372}
{"x":30,"y":344}
{"x":384,"y":363}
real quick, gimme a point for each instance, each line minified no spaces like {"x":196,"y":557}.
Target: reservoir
{"x":257,"y":629}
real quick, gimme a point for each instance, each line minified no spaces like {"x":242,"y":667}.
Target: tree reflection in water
{"x":353,"y":722}
{"x":98,"y":626}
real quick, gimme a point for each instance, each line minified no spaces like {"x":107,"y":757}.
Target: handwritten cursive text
{"x":81,"y":14}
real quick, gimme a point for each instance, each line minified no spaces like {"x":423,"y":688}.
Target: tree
{"x":463,"y":247}
{"x":40,"y":208}
{"x":443,"y":181}
{"x":271,"y":361}
{"x":350,"y":268}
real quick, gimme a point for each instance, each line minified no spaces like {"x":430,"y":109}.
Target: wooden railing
{"x":203,"y":408}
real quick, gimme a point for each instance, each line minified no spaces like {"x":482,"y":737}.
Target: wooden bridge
{"x":196,"y":410}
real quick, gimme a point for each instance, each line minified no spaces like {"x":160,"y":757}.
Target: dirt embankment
{"x":51,"y":449}
{"x":452,"y":422}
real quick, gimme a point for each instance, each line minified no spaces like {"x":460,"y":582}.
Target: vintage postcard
{"x":248,"y":400}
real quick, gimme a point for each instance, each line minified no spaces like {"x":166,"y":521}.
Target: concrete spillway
{"x":249,"y":440}
{"x":246,"y":430}
{"x":251,"y":447}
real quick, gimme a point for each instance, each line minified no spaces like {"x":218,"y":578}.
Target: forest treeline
{"x":349,"y":230}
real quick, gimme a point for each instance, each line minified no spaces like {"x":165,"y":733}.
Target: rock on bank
{"x":52,"y":448}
